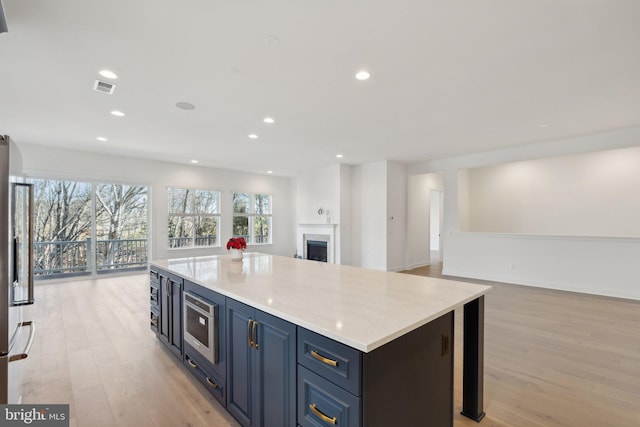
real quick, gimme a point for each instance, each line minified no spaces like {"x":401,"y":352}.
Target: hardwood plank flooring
{"x":551,"y":359}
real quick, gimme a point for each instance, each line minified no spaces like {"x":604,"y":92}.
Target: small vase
{"x":236,"y":254}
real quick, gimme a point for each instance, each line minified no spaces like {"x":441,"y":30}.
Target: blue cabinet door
{"x":165,"y":306}
{"x":276,"y":353}
{"x":261,"y":367}
{"x":175,"y":336}
{"x":240,"y":363}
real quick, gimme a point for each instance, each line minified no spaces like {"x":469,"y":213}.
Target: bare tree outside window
{"x":63,"y":224}
{"x":252,"y":217}
{"x":194,"y":217}
{"x":121,"y":225}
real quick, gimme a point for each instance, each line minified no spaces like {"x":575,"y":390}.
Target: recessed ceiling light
{"x":339,"y":156}
{"x":362,"y":75}
{"x":269,"y":171}
{"x":543,"y":126}
{"x":185,"y":106}
{"x":194,"y":161}
{"x":108,"y":74}
{"x":102,"y":139}
{"x":117,"y":113}
{"x":253,"y":136}
{"x":268,"y":120}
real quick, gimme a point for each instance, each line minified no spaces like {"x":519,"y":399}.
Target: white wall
{"x":419,"y":217}
{"x":45,"y":162}
{"x":396,"y":189}
{"x":323,"y":188}
{"x":592,"y":194}
{"x":346,"y":215}
{"x":605,"y":265}
{"x":370,"y":215}
{"x":319,"y":188}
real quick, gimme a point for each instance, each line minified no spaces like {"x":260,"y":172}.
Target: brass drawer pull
{"x":323,"y":359}
{"x":249,"y":338}
{"x":193,"y":365}
{"x":254,"y":333}
{"x":211,"y":383}
{"x":322,"y":416}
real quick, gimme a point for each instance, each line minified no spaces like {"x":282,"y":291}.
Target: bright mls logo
{"x":34,"y":415}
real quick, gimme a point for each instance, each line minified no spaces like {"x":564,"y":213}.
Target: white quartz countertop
{"x":359,"y":307}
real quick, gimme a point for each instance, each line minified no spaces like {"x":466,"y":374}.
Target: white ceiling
{"x":449,"y":77}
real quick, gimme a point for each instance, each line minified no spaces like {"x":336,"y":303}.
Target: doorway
{"x":435,"y":226}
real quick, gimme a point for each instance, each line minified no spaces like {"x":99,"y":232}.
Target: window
{"x":83,"y":228}
{"x":252,"y":217}
{"x":194,"y":218}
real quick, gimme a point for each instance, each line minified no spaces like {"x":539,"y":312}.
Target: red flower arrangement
{"x":237,"y":243}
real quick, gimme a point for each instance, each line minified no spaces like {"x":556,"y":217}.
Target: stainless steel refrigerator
{"x":16,"y":271}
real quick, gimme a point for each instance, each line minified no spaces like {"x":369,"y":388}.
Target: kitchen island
{"x":308,"y":343}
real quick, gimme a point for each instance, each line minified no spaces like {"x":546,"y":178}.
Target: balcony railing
{"x":74,"y":257}
{"x":188,"y":242}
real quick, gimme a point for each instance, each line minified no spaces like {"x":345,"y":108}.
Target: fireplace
{"x":324,"y":234}
{"x":317,"y":250}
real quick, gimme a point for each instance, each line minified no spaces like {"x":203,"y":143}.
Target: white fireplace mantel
{"x":322,"y":232}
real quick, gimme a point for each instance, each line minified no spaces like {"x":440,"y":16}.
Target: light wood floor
{"x":551,"y":359}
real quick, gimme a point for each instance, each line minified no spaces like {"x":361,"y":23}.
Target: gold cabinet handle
{"x":211,"y":383}
{"x":193,"y":365}
{"x":254,"y":333}
{"x":249,"y":338}
{"x":323,"y":359}
{"x":322,"y":416}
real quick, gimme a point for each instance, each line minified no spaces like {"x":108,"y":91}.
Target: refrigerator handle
{"x":14,"y":258}
{"x":27,"y":348}
{"x":30,"y":257}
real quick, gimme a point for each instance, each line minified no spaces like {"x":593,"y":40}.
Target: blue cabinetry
{"x":166,"y":309}
{"x":210,"y":371}
{"x":261,"y":367}
{"x":407,"y":382}
{"x":171,"y":312}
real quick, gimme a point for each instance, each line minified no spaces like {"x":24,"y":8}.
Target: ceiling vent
{"x":104,"y":87}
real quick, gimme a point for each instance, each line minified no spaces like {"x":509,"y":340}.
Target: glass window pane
{"x":62,"y":224}
{"x":206,"y":231}
{"x":263,"y":204}
{"x":262,"y":229}
{"x":180,"y":200}
{"x":121,"y":226}
{"x":180,"y":232}
{"x":206,"y":202}
{"x":241,"y":202}
{"x":241,"y":227}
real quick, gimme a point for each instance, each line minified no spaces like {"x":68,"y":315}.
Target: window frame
{"x":252,"y":215}
{"x":193,"y":215}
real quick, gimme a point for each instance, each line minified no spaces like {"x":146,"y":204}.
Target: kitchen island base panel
{"x":473,"y":360}
{"x":410,"y":380}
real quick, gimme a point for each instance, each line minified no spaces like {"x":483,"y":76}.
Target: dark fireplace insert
{"x":317,"y":250}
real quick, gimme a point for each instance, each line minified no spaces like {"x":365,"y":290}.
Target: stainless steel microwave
{"x":201,"y":325}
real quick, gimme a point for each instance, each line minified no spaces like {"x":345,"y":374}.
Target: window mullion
{"x":92,"y":258}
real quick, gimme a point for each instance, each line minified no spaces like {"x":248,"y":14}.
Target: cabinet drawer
{"x":154,"y":295}
{"x":213,"y":383}
{"x":337,"y":362}
{"x":154,"y":275}
{"x":154,"y":320}
{"x":322,"y":404}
